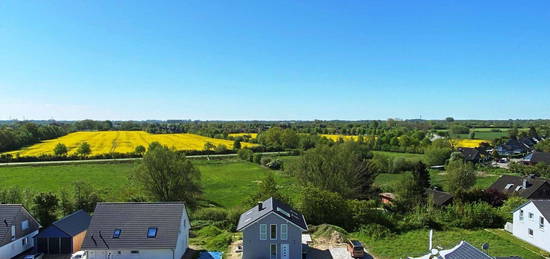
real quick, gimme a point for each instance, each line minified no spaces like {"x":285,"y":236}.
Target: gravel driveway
{"x":332,"y":253}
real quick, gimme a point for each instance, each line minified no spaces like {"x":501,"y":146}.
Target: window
{"x":541,"y":222}
{"x":508,"y":186}
{"x":530,"y":231}
{"x":263,"y":232}
{"x":12,"y":232}
{"x":24,"y":241}
{"x":24,"y":224}
{"x":151,"y":232}
{"x":273,"y":232}
{"x":531,"y":215}
{"x":116,"y":233}
{"x":284,"y":231}
{"x":521,"y":215}
{"x":134,"y":252}
{"x":273,"y":251}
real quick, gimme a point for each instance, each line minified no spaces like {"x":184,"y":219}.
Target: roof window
{"x":116,"y":233}
{"x":151,"y":232}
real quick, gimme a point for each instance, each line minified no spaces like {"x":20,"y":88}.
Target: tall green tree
{"x":421,"y":176}
{"x":266,"y":189}
{"x":461,"y":176}
{"x":341,"y":168}
{"x":85,"y":196}
{"x":169,"y":176}
{"x":84,"y":149}
{"x":45,"y":208}
{"x":60,"y":149}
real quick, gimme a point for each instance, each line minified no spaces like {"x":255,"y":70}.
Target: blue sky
{"x":240,"y":60}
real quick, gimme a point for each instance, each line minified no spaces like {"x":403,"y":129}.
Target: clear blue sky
{"x":229,"y":60}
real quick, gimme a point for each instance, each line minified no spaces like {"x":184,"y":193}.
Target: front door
{"x":284,"y":251}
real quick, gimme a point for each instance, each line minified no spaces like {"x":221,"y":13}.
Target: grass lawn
{"x":485,"y":133}
{"x":225,"y":182}
{"x":388,"y":182}
{"x":411,"y":156}
{"x":415,"y":243}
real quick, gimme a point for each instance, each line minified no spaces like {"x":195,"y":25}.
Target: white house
{"x":17,"y":229}
{"x":530,"y":223}
{"x":137,"y":231}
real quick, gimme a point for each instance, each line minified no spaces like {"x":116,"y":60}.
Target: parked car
{"x":34,"y":256}
{"x":356,"y":249}
{"x":79,"y":255}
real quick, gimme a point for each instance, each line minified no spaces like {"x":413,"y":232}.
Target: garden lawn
{"x":411,"y":156}
{"x":225,"y":182}
{"x":415,"y":243}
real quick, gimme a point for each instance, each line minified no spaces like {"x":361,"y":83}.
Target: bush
{"x":257,"y":158}
{"x":265,"y":161}
{"x":324,"y":207}
{"x":437,"y":155}
{"x":245,"y":154}
{"x":214,"y":214}
{"x":473,"y":215}
{"x":275,"y":164}
{"x":375,"y":231}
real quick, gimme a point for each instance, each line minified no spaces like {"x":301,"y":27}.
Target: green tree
{"x":341,"y":168}
{"x":409,"y":193}
{"x":45,"y":208}
{"x":461,"y":176}
{"x":66,"y":203}
{"x":60,"y":149}
{"x":543,"y":146}
{"x":140,"y":149}
{"x":84,"y":149}
{"x":169,"y":176}
{"x":237,"y":144}
{"x":324,"y":207}
{"x":245,"y":154}
{"x":533,"y":132}
{"x":437,"y":155}
{"x":472,"y":135}
{"x":85,"y":196}
{"x":421,"y":176}
{"x":266,"y":189}
{"x":208,"y":146}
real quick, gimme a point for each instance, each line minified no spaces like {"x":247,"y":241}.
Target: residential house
{"x":529,"y":187}
{"x":515,"y":147}
{"x":64,"y":236}
{"x":137,"y":231}
{"x":439,"y":198}
{"x":17,"y":229}
{"x":272,"y":230}
{"x":537,"y":157}
{"x":530,"y":223}
{"x":462,"y":250}
{"x":387,"y":197}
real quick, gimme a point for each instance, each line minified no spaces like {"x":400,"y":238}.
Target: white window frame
{"x":263,"y":231}
{"x":284,"y":231}
{"x":271,"y":228}
{"x":520,"y":214}
{"x":271,"y":255}
{"x":541,"y":222}
{"x":530,"y":232}
{"x":13,"y":232}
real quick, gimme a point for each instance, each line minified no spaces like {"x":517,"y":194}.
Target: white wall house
{"x":17,"y":229}
{"x":530,"y":223}
{"x":137,"y":231}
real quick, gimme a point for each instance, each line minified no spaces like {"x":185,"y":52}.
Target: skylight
{"x":283,"y":211}
{"x":508,"y":186}
{"x":151,"y":232}
{"x":116,"y":233}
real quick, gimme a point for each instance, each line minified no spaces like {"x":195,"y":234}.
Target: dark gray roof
{"x":14,"y":214}
{"x":75,"y":223}
{"x":439,"y":198}
{"x":544,"y":207}
{"x":464,"y":250}
{"x":271,"y":206}
{"x":134,"y":219}
{"x":538,"y":157}
{"x":470,"y":154}
{"x":508,"y":184}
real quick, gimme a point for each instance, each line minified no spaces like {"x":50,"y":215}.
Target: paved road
{"x":120,"y":159}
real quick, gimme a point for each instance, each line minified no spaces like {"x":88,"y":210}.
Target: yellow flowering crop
{"x":104,"y":142}
{"x":467,"y":142}
{"x":252,"y":135}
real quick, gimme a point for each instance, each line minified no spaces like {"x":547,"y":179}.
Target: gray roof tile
{"x":271,"y":206}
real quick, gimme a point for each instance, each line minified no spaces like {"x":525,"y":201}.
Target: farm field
{"x":415,"y":243}
{"x":485,"y":133}
{"x":412,"y":156}
{"x":105,"y":142}
{"x":252,"y":135}
{"x":225,"y":182}
{"x":468,"y":142}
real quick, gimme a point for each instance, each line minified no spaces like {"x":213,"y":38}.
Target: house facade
{"x":137,"y":231}
{"x":530,"y":223}
{"x":529,"y":187}
{"x":17,"y":229}
{"x":272,"y":230}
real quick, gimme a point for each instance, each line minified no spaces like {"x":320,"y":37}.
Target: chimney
{"x":260,"y":206}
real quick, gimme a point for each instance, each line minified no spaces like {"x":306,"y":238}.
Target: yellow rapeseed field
{"x":335,"y":137}
{"x":252,"y":135}
{"x":467,"y":142}
{"x":104,"y":142}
